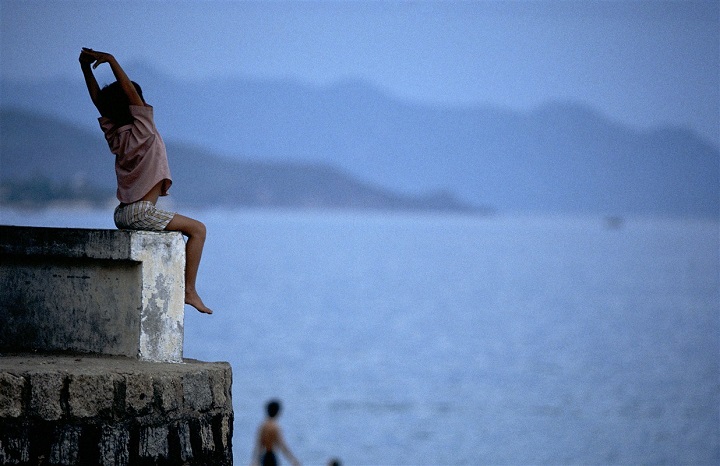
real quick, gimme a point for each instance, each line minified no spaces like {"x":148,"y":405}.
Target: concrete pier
{"x":79,"y":410}
{"x":91,"y":360}
{"x":113,"y":292}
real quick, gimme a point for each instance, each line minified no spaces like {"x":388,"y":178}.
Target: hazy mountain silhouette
{"x":561,"y":157}
{"x":43,"y":159}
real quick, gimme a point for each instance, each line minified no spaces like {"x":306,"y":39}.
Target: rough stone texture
{"x":91,"y":395}
{"x":184,"y":442}
{"x":45,"y":392}
{"x":11,"y":395}
{"x":76,"y":410}
{"x":138,"y":393}
{"x":65,"y":448}
{"x":14,"y":447}
{"x":114,"y":292}
{"x":196,"y":391}
{"x":154,"y":442}
{"x":114,"y":445}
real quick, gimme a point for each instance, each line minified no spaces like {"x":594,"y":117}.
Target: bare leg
{"x":195,"y":231}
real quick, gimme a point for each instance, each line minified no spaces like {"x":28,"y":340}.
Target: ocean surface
{"x":409,"y":339}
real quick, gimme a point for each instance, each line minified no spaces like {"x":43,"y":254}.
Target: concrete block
{"x":197,"y":394}
{"x":66,"y":446}
{"x":113,"y":292}
{"x":206,"y":437}
{"x":114,"y":442}
{"x":219,"y":385}
{"x":163,"y":293}
{"x":168,"y":390}
{"x":45,"y":393}
{"x":154,"y":442}
{"x":11,"y":395}
{"x":114,"y":411}
{"x":91,"y":395}
{"x":183,"y":436}
{"x":226,"y":432}
{"x":138,"y":393}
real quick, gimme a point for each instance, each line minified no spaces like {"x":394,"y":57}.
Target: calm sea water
{"x":420,"y":339}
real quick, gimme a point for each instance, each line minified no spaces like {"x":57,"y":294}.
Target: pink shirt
{"x":140,"y":155}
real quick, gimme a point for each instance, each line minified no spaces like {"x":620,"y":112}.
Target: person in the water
{"x":270,"y":439}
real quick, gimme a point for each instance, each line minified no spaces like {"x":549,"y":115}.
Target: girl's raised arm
{"x":85,"y":61}
{"x":89,"y":56}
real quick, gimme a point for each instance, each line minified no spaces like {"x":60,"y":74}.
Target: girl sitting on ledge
{"x":141,"y":164}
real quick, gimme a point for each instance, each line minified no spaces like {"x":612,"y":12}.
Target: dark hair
{"x":114,"y":103}
{"x":273,"y":408}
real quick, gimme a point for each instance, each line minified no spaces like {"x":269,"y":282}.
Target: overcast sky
{"x":642,"y":63}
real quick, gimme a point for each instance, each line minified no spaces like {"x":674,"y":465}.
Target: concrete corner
{"x":113,"y":292}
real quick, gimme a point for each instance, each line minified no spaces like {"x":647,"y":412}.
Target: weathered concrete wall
{"x":90,"y":316}
{"x":70,"y":410}
{"x":113,"y":292}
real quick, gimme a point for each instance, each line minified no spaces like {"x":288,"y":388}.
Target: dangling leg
{"x":195,"y":231}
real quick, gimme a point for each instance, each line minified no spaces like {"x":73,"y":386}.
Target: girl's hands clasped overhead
{"x":88,"y":56}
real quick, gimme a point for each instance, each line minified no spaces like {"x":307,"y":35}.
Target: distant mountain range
{"x":561,"y":157}
{"x":45,"y":160}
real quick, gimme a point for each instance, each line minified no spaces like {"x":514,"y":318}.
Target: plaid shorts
{"x":141,"y":215}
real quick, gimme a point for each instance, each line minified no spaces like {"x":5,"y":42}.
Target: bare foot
{"x":193,"y":299}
